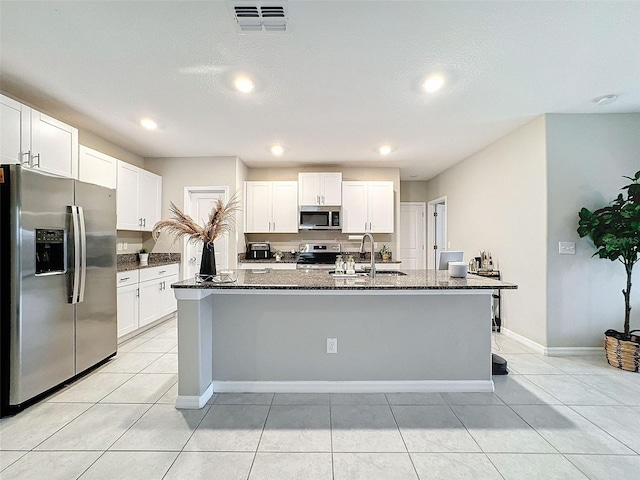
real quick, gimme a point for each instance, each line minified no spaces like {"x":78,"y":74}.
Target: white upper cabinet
{"x":36,"y":140}
{"x":320,"y":189}
{"x":15,"y":140}
{"x":367,"y":207}
{"x":96,"y":167}
{"x":149,"y":199}
{"x":139,"y":197}
{"x":271,"y":207}
{"x":54,"y":145}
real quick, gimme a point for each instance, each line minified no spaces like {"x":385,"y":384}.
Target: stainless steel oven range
{"x":318,"y":255}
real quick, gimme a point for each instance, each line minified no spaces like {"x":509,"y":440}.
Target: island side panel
{"x":262,"y":337}
{"x":194,"y":347}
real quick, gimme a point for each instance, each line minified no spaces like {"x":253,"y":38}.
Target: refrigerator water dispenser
{"x":50,"y":251}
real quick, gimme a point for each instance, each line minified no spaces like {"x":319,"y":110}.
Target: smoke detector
{"x":260,"y":16}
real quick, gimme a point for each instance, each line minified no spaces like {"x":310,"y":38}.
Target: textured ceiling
{"x":343,"y":80}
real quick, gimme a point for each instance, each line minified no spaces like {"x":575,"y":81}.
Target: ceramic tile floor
{"x":550,"y":418}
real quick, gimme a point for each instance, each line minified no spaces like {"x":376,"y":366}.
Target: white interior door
{"x":200,"y":201}
{"x":412,"y":235}
{"x":436,"y":229}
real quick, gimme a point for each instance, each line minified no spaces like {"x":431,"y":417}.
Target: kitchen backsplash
{"x":131,"y":259}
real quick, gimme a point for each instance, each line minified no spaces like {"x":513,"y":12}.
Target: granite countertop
{"x":129,"y":261}
{"x":293,"y":258}
{"x":322,"y":280}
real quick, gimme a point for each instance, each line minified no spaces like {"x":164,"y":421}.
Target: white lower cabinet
{"x":128,"y":302}
{"x":156,"y":297}
{"x":148,"y":299}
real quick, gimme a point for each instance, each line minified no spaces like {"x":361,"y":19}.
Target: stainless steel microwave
{"x":319,"y":219}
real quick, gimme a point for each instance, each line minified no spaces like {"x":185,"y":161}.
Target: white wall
{"x":496,"y":201}
{"x":587,"y":156}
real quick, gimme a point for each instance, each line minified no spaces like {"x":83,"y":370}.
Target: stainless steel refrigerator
{"x":57,"y":281}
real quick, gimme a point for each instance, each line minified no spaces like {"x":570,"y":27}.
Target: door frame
{"x":186,"y":203}
{"x":423,"y":208}
{"x":431,"y":234}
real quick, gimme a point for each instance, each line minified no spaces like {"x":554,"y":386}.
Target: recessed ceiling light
{"x":148,"y":124}
{"x":277,"y":150}
{"x":433,"y":83}
{"x":385,"y":150}
{"x":605,"y":99}
{"x":243,"y":84}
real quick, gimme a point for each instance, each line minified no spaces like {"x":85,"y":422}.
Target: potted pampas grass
{"x":221,"y":220}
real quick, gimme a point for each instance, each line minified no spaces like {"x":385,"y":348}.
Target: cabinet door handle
{"x":33,"y":158}
{"x":144,"y":222}
{"x":28,"y":160}
{"x":124,"y":278}
{"x":322,"y":196}
{"x":137,"y":292}
{"x":274,"y":227}
{"x":140,"y":222}
{"x":161,"y":272}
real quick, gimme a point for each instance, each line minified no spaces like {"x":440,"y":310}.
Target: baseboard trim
{"x":193,"y":401}
{"x":552,"y":351}
{"x":535,"y":346}
{"x":440,"y":386}
{"x":573,"y":351}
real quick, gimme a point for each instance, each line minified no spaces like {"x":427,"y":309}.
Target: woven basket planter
{"x":622,"y":353}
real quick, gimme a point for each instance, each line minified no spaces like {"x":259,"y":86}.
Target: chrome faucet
{"x":373,"y":254}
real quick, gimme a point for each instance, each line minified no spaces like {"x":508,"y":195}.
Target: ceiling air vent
{"x":261,"y":18}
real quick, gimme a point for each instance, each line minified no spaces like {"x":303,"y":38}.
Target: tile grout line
{"x":264,"y":425}
{"x":415,"y":470}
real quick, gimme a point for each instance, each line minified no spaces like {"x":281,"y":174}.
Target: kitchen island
{"x":268,"y":332}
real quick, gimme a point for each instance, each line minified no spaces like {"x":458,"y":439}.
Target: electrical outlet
{"x":125,"y":245}
{"x":567,"y":248}
{"x":332,"y":345}
{"x":119,"y":246}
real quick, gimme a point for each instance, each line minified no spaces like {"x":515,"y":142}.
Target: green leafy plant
{"x":385,"y":250}
{"x":615,"y":232}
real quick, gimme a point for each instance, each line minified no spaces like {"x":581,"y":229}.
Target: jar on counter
{"x":339,"y":264}
{"x":351,"y":265}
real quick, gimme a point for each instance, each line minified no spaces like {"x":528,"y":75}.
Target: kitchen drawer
{"x":159,"y":272}
{"x":127,"y":278}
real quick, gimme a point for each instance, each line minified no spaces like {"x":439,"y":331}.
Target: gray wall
{"x":178,"y":173}
{"x":521,"y":195}
{"x":496,"y":201}
{"x":286,"y":241}
{"x":414,"y":191}
{"x":587,"y":155}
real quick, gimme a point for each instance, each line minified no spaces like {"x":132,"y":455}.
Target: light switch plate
{"x":567,"y":248}
{"x":332,"y":345}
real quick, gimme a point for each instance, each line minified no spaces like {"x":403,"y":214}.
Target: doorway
{"x":412,"y":235}
{"x":437,"y":229}
{"x":198,"y":203}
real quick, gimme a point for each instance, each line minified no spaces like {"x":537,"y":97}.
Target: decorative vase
{"x":144,"y":259}
{"x":208,"y":262}
{"x":385,"y":256}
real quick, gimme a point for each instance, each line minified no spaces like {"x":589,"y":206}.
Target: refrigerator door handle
{"x":83,"y":254}
{"x":76,"y":254}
